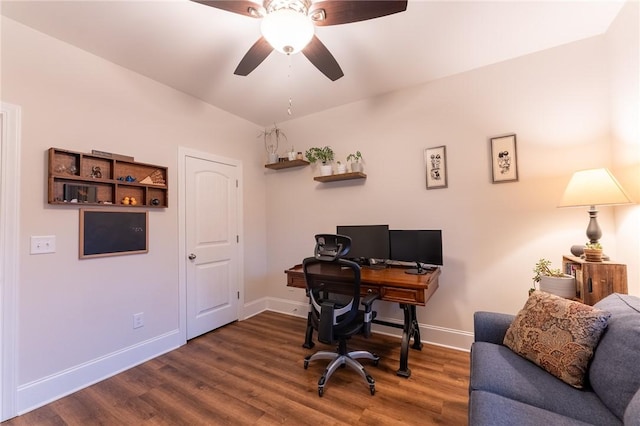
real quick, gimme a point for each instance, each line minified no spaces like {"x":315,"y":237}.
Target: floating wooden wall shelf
{"x":286,"y":164}
{"x":340,"y":176}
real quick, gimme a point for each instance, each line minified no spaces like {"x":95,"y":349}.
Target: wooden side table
{"x":595,"y":280}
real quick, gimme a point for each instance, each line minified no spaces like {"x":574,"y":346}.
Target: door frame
{"x":183,"y":153}
{"x":9,"y":256}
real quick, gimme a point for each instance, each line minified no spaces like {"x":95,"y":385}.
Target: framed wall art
{"x":436,"y":160}
{"x":504,"y":159}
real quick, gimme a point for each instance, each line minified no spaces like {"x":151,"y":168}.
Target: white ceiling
{"x":195,"y":49}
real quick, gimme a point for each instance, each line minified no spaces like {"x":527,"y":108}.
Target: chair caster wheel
{"x":306,"y":364}
{"x":376,"y":362}
{"x":372,"y":384}
{"x":320,"y":391}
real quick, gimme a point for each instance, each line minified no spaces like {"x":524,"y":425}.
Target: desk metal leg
{"x":415,"y":329}
{"x":410,"y":329}
{"x":308,"y":337}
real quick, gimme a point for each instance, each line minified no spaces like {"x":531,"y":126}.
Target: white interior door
{"x":212,"y":254}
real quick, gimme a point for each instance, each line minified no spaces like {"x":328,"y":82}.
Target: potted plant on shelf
{"x":553,"y":281}
{"x":356,"y":165}
{"x":272,"y":139}
{"x":342,"y":168}
{"x":593,"y":252}
{"x":324,"y":155}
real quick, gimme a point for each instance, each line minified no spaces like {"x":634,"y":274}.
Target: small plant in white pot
{"x":342,"y":168}
{"x":324,"y":155}
{"x":553,"y":281}
{"x":355,"y":159}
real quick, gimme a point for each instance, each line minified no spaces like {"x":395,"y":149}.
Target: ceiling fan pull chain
{"x":289,"y":78}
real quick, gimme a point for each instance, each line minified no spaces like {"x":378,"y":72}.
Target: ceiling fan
{"x":288,"y":26}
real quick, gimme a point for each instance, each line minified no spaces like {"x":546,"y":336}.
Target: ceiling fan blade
{"x":344,"y":11}
{"x":254,"y":57}
{"x":243,"y":7}
{"x":318,"y":54}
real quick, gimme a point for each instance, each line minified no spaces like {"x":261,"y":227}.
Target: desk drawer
{"x":402,"y":295}
{"x":364,"y":290}
{"x":296,"y":280}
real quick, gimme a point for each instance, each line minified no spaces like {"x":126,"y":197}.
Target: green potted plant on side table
{"x":593,"y":252}
{"x":553,"y":281}
{"x":324,"y":155}
{"x":355,"y":159}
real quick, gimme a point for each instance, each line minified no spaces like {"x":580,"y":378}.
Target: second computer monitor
{"x":367,"y":241}
{"x":421,"y":246}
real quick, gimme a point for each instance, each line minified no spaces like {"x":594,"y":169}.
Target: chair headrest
{"x":331,"y":246}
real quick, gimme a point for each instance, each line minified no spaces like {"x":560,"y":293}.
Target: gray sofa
{"x":507,"y":389}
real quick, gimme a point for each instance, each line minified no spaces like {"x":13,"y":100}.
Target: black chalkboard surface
{"x":112,"y":233}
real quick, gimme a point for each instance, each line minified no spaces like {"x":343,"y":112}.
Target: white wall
{"x":623,"y":40}
{"x":75,"y":317}
{"x":563,"y":104}
{"x":556,"y":101}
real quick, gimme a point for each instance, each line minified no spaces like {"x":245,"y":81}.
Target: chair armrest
{"x":367,"y":301}
{"x":369,"y":315}
{"x":491,"y":327}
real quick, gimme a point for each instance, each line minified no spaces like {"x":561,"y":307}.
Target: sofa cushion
{"x":614,"y":373}
{"x":557,"y":334}
{"x":632,"y":413}
{"x":494,"y":410}
{"x":497,"y":369}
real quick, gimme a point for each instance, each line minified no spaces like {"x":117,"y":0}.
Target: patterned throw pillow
{"x":557,"y":334}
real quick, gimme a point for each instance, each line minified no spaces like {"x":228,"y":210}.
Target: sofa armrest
{"x":491,"y":326}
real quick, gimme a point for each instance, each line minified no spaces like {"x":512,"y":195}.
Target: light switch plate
{"x":43,"y":244}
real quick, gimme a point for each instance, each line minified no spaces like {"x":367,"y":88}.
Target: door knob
{"x":192,"y":256}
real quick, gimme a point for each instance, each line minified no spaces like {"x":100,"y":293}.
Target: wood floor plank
{"x":251,"y":373}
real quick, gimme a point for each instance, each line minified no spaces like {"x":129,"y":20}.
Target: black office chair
{"x":334,"y":306}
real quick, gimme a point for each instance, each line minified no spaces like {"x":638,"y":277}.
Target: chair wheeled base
{"x":340,"y":359}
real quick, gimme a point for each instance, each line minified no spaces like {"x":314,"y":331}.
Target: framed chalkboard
{"x":113,"y":233}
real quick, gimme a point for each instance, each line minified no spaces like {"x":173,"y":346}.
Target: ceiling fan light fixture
{"x":287,"y":31}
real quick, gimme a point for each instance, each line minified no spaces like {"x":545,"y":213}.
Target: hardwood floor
{"x":251,"y":372}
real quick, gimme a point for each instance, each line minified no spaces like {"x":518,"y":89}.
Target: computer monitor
{"x":420,"y":246}
{"x":369,"y":243}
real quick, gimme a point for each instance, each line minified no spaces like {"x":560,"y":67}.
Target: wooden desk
{"x":393,"y":285}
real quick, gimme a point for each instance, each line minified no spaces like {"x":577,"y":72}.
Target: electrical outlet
{"x":44,"y":244}
{"x":138,"y":320}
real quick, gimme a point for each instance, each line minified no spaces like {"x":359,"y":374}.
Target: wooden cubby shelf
{"x":287,"y":164}
{"x":340,"y":176}
{"x":81,"y":179}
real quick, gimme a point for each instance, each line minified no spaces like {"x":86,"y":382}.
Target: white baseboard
{"x":43,"y":391}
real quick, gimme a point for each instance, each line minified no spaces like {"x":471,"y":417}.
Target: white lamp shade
{"x":593,"y":187}
{"x":287,"y":31}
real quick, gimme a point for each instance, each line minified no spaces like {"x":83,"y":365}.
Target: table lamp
{"x":593,"y":187}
